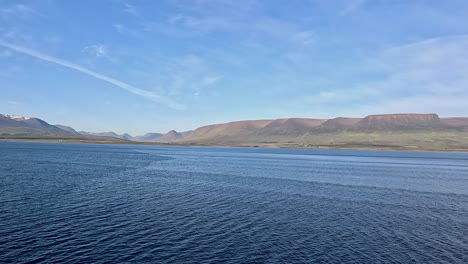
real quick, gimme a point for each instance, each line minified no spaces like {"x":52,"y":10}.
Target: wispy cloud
{"x":124,"y":30}
{"x":429,"y":75}
{"x":202,"y":17}
{"x":140,"y":92}
{"x":436,"y":66}
{"x":97,"y":50}
{"x":14,"y":103}
{"x":131,"y":9}
{"x":425,"y":75}
{"x":190,"y":72}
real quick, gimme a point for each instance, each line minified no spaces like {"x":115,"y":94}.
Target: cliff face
{"x":399,"y":121}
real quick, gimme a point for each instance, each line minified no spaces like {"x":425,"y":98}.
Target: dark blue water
{"x":71,"y":203}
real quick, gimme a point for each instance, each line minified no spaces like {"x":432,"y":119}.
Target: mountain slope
{"x":186,"y":133}
{"x":8,"y":121}
{"x":406,"y":131}
{"x":392,"y":131}
{"x":106,"y":134}
{"x":127,"y":136}
{"x":456,"y":122}
{"x":169,"y":137}
{"x":149,"y":137}
{"x":68,"y":129}
{"x":290,"y":126}
{"x":227,"y":130}
{"x":11,"y":125}
{"x":337,"y":124}
{"x":31,"y":128}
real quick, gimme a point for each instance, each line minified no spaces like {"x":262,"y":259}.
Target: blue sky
{"x":152,"y":66}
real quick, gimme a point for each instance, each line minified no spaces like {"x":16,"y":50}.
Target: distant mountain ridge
{"x":170,"y":137}
{"x":405,"y":131}
{"x":400,"y":121}
{"x":401,"y":130}
{"x":149,"y":137}
{"x":107,"y":134}
{"x":301,"y":126}
{"x":21,"y":125}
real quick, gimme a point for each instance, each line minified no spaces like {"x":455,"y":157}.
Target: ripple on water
{"x":101,"y":204}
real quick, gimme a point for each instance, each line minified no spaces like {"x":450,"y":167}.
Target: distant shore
{"x":246,"y":145}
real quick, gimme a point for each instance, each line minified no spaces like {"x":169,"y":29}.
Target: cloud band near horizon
{"x":132,"y":89}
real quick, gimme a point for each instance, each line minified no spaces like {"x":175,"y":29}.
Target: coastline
{"x":246,"y":145}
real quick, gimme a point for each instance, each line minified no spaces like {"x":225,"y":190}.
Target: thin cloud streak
{"x":150,"y":95}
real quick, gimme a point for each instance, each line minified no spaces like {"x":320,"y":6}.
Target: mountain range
{"x":395,"y":131}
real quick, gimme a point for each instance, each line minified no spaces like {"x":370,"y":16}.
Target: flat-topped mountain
{"x":399,"y":121}
{"x":427,"y":131}
{"x":288,"y":129}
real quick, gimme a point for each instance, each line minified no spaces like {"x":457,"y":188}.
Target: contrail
{"x":150,"y":95}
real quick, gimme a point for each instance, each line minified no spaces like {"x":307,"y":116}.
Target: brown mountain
{"x":293,"y":129}
{"x":338,"y":123}
{"x":290,"y":126}
{"x":232,"y":129}
{"x":186,"y":133}
{"x":399,"y":121}
{"x":456,"y":122}
{"x":394,"y":131}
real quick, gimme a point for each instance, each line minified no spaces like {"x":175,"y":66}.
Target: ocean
{"x":89,"y":203}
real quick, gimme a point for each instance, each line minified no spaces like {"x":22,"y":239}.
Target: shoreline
{"x":246,"y":145}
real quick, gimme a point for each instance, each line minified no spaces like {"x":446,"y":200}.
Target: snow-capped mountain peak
{"x":16,"y":117}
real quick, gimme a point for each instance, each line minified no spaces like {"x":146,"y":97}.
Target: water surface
{"x":79,"y":203}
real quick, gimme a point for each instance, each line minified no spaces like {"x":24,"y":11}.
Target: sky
{"x":153,"y":66}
